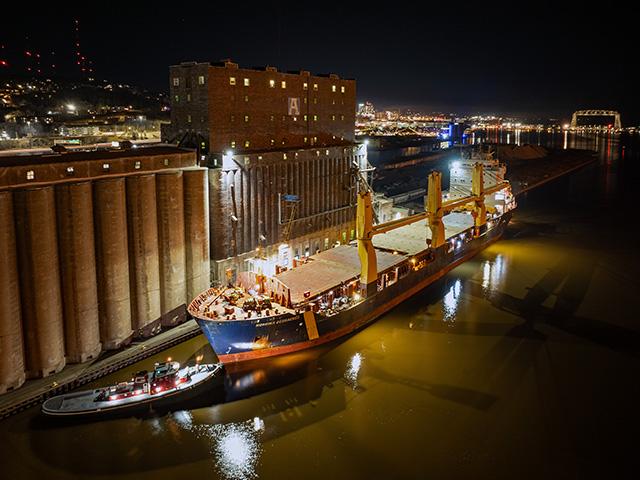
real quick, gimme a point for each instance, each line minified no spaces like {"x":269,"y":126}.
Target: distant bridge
{"x":596,"y":113}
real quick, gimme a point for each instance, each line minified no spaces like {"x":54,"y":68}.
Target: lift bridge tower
{"x":596,"y":113}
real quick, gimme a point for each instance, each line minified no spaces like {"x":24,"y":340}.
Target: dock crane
{"x":435,"y":210}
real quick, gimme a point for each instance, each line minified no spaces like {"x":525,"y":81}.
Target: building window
{"x":315,"y":100}
{"x":283,"y":84}
{"x":246,"y":82}
{"x":31,"y":175}
{"x":177,"y":98}
{"x":333,"y":102}
{"x":341,"y":117}
{"x":246,"y":118}
{"x":333,"y":117}
{"x":315,"y":87}
{"x":232,"y":80}
{"x":70,"y":170}
{"x":176,"y":82}
{"x":305,"y":118}
{"x":272,"y":83}
{"x":315,"y":118}
{"x":233,"y":118}
{"x":273,"y":142}
{"x":246,"y":98}
{"x":272,"y":118}
{"x":246,"y":144}
{"x":188,"y":97}
{"x":166,"y":162}
{"x":105,"y":166}
{"x":188,"y":118}
{"x":284,"y":118}
{"x":305,"y":86}
{"x":305,"y":100}
{"x":333,"y":88}
{"x":233,"y":144}
{"x":342,"y":89}
{"x":284,"y":156}
{"x":306,"y":139}
{"x":137,"y":165}
{"x":201,"y":80}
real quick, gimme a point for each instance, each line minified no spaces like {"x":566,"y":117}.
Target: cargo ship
{"x":340,"y":290}
{"x":166,"y":385}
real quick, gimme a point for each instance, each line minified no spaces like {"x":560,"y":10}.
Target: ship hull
{"x":243,"y":340}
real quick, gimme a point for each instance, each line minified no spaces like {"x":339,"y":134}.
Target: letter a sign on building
{"x":294,"y":106}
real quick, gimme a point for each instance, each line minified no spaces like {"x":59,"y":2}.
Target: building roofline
{"x":228,"y":63}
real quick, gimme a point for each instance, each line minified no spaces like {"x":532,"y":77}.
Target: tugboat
{"x":166,"y":385}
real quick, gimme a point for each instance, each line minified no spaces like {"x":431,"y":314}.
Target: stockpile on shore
{"x":526,"y":168}
{"x":527,"y":173}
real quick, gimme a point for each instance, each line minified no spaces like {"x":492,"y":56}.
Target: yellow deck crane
{"x":434,"y":212}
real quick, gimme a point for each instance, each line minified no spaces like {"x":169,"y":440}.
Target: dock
{"x":36,"y":391}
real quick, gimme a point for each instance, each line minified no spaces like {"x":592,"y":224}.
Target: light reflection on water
{"x":353,"y":368}
{"x":492,"y":274}
{"x":450,"y":301}
{"x":235,"y":447}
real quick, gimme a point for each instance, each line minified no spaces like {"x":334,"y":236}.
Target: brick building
{"x":281,"y":152}
{"x":228,"y":107}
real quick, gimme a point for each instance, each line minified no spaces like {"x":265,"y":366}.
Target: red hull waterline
{"x":270,"y":352}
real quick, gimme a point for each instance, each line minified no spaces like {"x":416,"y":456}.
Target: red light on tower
{"x":4,"y":63}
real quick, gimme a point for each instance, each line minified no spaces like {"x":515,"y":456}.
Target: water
{"x":523,"y":362}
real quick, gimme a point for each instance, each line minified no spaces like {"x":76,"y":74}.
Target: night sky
{"x":544,"y":59}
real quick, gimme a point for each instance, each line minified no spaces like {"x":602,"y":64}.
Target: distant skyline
{"x":542,"y":59}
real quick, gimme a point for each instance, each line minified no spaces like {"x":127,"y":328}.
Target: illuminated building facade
{"x":228,"y":107}
{"x":280,"y":148}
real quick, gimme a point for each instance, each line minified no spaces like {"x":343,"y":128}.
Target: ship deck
{"x":329,"y":269}
{"x":412,"y":239}
{"x":218,"y":306}
{"x":340,"y":265}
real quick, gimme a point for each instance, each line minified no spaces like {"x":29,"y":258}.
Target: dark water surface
{"x":523,"y":362}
